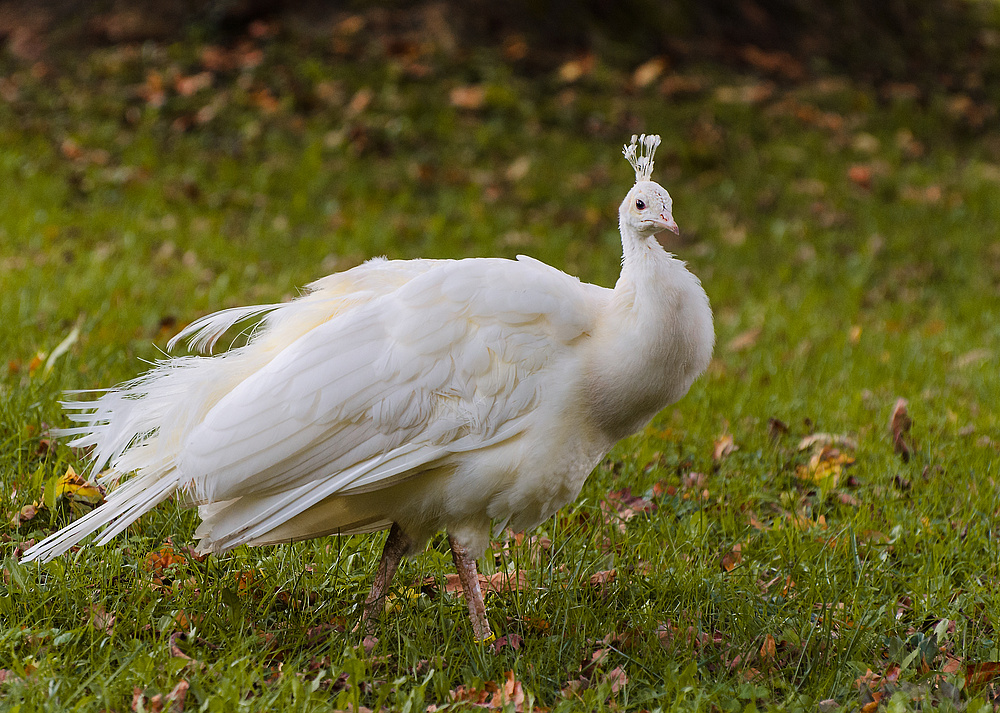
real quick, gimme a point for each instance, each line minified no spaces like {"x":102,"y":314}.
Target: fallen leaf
{"x":512,"y":641}
{"x":468,"y":97}
{"x":981,"y":673}
{"x":776,"y":428}
{"x":731,"y":558}
{"x":178,"y":695}
{"x":827,"y":439}
{"x":25,"y":514}
{"x":264,"y":100}
{"x":192,"y":84}
{"x":744,"y":340}
{"x":899,"y":426}
{"x":973,"y":357}
{"x":648,"y":72}
{"x":768,"y":649}
{"x":774,"y":62}
{"x":824,"y":467}
{"x":860,"y":175}
{"x":574,"y":69}
{"x":160,"y":559}
{"x":723,"y":447}
{"x":617,"y":678}
{"x":661,"y":488}
{"x":599,"y":579}
{"x":749,"y":93}
{"x":152,"y":90}
{"x":693,"y":480}
{"x":512,"y":693}
{"x":72,"y":487}
{"x":101,"y":619}
{"x":359,"y":102}
{"x":622,"y":506}
{"x":497,"y":582}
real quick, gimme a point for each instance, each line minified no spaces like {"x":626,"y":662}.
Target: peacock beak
{"x":670,"y":224}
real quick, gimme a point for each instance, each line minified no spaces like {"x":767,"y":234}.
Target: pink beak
{"x":670,"y":224}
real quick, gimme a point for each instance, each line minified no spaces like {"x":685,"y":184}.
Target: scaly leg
{"x":397,"y":544}
{"x":465,"y":563}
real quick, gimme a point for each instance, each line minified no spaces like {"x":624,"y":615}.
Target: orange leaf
{"x":860,"y":175}
{"x":769,"y":648}
{"x":468,"y":97}
{"x":511,"y":693}
{"x":732,"y":558}
{"x":982,"y":673}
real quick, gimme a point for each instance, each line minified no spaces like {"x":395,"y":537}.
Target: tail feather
{"x":123,"y":507}
{"x":202,"y":334}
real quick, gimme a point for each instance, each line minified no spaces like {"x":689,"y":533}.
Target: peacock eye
{"x":640,"y":204}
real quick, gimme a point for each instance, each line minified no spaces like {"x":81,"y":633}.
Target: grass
{"x":847,"y":241}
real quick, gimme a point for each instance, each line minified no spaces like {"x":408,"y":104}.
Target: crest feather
{"x":640,"y":154}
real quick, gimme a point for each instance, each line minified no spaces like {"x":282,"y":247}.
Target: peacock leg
{"x":465,"y":563}
{"x":397,"y":544}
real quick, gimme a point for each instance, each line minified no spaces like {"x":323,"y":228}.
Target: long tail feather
{"x":202,"y":334}
{"x":123,"y":507}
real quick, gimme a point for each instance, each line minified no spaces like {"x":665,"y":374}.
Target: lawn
{"x":768,"y":542}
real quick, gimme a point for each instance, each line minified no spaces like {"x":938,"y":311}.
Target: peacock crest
{"x":640,"y":154}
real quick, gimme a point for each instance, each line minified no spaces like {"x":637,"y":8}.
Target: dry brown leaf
{"x":768,"y":649}
{"x":160,"y":559}
{"x":359,"y":102}
{"x":824,"y":467}
{"x":511,"y":693}
{"x":192,"y":84}
{"x":733,"y":557}
{"x":750,"y":93}
{"x":600,"y":579}
{"x":661,"y":488}
{"x":774,"y":62}
{"x":648,"y":72}
{"x":899,"y":426}
{"x":724,"y":446}
{"x":574,"y":69}
{"x":101,"y":619}
{"x":823,"y":440}
{"x":744,"y":340}
{"x":472,"y":96}
{"x":692,"y":480}
{"x":617,"y":678}
{"x":860,"y":175}
{"x":776,"y":428}
{"x":973,"y":357}
{"x":981,"y":673}
{"x":625,"y":505}
{"x":497,"y":582}
{"x":25,"y":514}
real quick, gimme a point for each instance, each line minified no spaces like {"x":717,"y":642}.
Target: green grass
{"x":128,"y":220}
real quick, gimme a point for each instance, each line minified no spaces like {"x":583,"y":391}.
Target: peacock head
{"x":647,"y":207}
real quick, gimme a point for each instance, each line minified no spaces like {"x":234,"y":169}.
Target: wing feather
{"x":372,"y":377}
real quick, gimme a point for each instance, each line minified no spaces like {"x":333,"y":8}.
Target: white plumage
{"x":425,"y":394}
